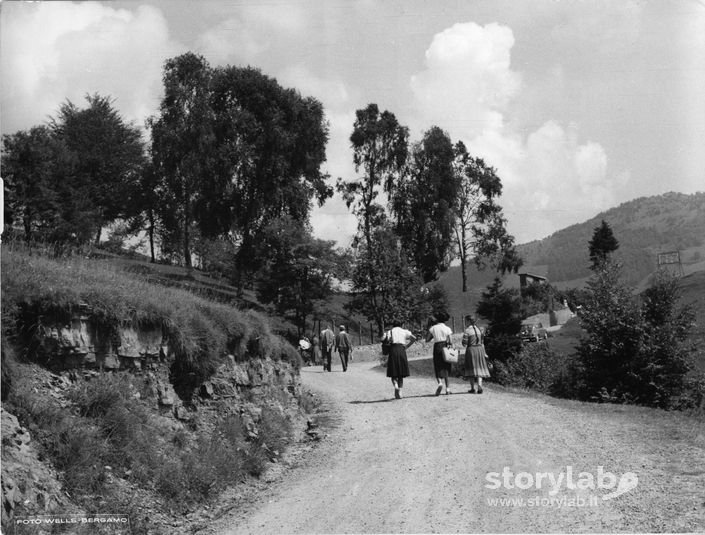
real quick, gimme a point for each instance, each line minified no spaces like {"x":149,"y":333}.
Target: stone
{"x":207,"y":389}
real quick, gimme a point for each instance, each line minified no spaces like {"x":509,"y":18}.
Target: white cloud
{"x":468,"y":79}
{"x":53,"y":51}
{"x":550,"y":178}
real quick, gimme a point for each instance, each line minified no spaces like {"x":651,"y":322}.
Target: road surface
{"x":466,"y":463}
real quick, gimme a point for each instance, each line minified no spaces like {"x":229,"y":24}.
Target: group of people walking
{"x":475,"y":366}
{"x":321,"y":349}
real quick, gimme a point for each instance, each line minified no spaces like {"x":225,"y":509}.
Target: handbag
{"x":450,"y":355}
{"x":490,"y":365}
{"x":386,"y":343}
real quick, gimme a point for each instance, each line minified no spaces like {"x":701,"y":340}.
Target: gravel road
{"x":421,"y":464}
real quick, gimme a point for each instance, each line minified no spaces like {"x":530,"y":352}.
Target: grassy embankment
{"x":111,"y":420}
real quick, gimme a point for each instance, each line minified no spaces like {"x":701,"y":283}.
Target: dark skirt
{"x":440,"y":366}
{"x":397,"y":363}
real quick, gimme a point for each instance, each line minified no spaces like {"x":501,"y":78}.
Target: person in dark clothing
{"x":397,"y":362}
{"x":327,"y":343}
{"x":440,"y":333}
{"x":343,"y":346}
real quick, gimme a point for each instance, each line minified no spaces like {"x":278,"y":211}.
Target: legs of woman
{"x":447,"y":380}
{"x":479,"y":385}
{"x":398,"y":383}
{"x":439,"y":388}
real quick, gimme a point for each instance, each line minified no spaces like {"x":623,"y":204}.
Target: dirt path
{"x":420,"y":464}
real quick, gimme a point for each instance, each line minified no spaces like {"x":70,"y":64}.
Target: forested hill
{"x":644,"y":227}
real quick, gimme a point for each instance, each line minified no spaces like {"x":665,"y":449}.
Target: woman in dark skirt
{"x":475,"y":357}
{"x":440,"y":334}
{"x":397,"y":363}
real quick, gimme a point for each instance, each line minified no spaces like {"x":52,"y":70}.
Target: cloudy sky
{"x":578,"y":104}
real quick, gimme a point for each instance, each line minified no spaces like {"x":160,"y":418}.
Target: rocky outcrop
{"x":29,"y":486}
{"x":82,"y":344}
{"x":67,"y":355}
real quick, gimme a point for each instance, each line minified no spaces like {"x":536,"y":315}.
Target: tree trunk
{"x":150,"y":231}
{"x":464,"y":272}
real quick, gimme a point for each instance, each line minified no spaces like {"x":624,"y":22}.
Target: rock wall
{"x":27,"y":482}
{"x":82,"y":344}
{"x":72,"y":353}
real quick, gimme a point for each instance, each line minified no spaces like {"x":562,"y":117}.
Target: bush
{"x":536,"y":366}
{"x":634,"y":352}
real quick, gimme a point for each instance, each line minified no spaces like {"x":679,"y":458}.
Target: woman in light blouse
{"x":397,"y":362}
{"x":440,"y":333}
{"x":475,"y":356}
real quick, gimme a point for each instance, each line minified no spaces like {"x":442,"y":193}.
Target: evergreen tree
{"x":602,"y":244}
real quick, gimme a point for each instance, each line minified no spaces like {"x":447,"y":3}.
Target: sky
{"x":579,"y":105}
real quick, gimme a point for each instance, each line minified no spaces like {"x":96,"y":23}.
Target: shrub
{"x":536,"y":366}
{"x":634,"y":353}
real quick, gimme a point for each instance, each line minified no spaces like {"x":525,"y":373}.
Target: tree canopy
{"x":71,"y":178}
{"x":602,"y":244}
{"x":422,"y":203}
{"x":236,"y":151}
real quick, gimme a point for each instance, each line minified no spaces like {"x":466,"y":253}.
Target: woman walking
{"x":440,"y":333}
{"x":397,"y":362}
{"x":475,"y":356}
{"x":316,"y":349}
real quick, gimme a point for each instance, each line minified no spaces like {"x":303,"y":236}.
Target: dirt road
{"x":421,"y":464}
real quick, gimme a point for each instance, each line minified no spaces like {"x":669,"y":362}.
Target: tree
{"x":385,"y":285}
{"x":666,"y":359}
{"x":299,"y":270}
{"x":480,"y":230}
{"x":602,"y":244}
{"x":183,"y":142}
{"x":108,"y":159}
{"x":634,"y":352}
{"x":501,"y":307}
{"x":422,"y":202}
{"x":380,"y":146}
{"x":270,"y":145}
{"x":236,"y":151}
{"x":32,"y":167}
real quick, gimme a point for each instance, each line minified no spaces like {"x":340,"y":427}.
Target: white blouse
{"x":440,"y":332}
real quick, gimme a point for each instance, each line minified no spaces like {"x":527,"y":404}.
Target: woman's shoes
{"x":439,"y":390}
{"x":471,"y":391}
{"x":448,"y":392}
{"x":479,"y":390}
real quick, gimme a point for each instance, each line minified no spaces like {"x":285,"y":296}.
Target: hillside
{"x":644,"y":227}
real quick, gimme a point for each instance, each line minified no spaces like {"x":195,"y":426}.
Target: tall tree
{"x":480,"y":229}
{"x":32,"y":170}
{"x":602,"y":245}
{"x":270,"y":147}
{"x":422,"y":202}
{"x":380,"y":147}
{"x":108,"y":159}
{"x":237,"y":151}
{"x":183,"y":141}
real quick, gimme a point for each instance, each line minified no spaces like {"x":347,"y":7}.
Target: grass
{"x":109,"y":426}
{"x":110,"y":420}
{"x":199,"y":332}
